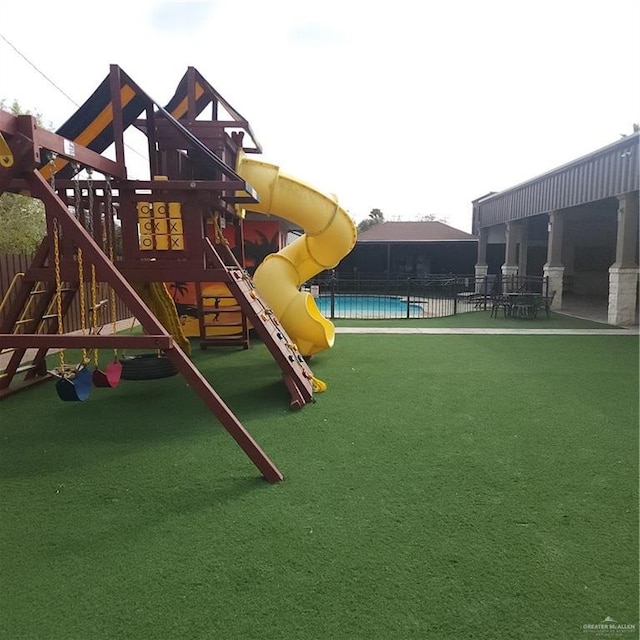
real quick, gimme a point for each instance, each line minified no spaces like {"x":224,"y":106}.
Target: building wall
{"x":409,"y":260}
{"x":589,"y":247}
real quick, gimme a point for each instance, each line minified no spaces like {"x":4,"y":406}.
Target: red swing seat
{"x":109,"y":377}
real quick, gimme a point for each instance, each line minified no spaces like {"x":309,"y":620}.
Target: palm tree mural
{"x":181,"y":289}
{"x":259,"y":247}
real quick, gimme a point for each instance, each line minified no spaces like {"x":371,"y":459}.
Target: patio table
{"x":522,"y":305}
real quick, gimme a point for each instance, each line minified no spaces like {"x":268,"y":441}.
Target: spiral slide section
{"x":329,"y":235}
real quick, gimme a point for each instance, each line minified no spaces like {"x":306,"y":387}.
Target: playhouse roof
{"x":414,"y":232}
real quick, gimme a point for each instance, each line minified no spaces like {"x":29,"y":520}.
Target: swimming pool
{"x":360,"y":306}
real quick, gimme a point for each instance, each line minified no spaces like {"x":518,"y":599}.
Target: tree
{"x":22,"y":223}
{"x":375,"y":217}
{"x":431,"y":217}
{"x":21,"y":218}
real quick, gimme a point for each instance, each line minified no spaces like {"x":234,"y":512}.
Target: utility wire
{"x":53,"y":84}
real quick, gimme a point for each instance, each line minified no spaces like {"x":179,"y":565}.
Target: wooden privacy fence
{"x":12,"y":264}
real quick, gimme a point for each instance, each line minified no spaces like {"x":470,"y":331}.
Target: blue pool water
{"x":352,"y":306}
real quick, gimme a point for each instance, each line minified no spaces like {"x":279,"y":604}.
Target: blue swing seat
{"x":75,"y":389}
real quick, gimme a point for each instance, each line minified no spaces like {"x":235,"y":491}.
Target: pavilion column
{"x":481,"y":267}
{"x":510,"y":266}
{"x":523,"y":250}
{"x":554,"y":268}
{"x":623,"y":273}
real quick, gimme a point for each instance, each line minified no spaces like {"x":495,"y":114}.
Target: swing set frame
{"x":30,"y":148}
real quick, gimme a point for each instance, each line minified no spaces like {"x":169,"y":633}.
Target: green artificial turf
{"x":444,"y":487}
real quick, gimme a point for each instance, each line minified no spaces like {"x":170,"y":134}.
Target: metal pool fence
{"x":433,"y":297}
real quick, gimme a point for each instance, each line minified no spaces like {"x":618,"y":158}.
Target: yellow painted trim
{"x":182,"y":107}
{"x":95,"y":128}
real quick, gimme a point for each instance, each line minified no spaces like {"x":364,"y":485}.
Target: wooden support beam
{"x":200,"y":385}
{"x":167,"y":271}
{"x":25,"y":128}
{"x":77,"y":153}
{"x":78,"y":341}
{"x":229,"y":187}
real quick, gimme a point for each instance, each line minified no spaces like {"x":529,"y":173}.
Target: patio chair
{"x":500,"y":302}
{"x":546,"y":301}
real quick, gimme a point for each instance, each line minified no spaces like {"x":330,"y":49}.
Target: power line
{"x":53,"y":84}
{"x":49,"y":80}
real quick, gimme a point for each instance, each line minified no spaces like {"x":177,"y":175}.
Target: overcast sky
{"x":413,"y":107}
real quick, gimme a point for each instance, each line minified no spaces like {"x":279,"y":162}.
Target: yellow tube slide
{"x":330,"y":234}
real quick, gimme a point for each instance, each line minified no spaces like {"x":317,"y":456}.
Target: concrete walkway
{"x":471,"y":331}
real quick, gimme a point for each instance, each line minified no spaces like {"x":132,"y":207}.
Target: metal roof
{"x":607,"y":172}
{"x":413,"y":232}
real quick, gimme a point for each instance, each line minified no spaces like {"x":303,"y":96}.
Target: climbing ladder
{"x":32,"y":311}
{"x":221,"y":319}
{"x":296,"y":373}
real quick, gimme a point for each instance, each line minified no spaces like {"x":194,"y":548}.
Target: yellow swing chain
{"x":94,"y":283}
{"x":56,"y":258}
{"x":56,"y":263}
{"x":94,"y":311}
{"x":81,"y":283}
{"x":108,"y":240}
{"x":83,"y":306}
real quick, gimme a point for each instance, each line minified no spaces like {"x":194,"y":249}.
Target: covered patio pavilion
{"x":577,"y":225}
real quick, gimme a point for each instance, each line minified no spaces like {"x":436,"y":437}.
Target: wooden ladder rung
{"x":41,"y":291}
{"x":50,"y":316}
{"x":21,"y":369}
{"x":222,"y":324}
{"x":234,"y":309}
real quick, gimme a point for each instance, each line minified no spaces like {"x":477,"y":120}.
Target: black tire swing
{"x":147,"y":366}
{"x":150,"y":366}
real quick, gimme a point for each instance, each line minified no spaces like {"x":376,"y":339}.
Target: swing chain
{"x":109,"y":240}
{"x":89,"y":218}
{"x":81,"y":284}
{"x":94,"y":310}
{"x":83,"y":305}
{"x":62,"y":367}
{"x":77,"y":193}
{"x":94,"y":284}
{"x":56,"y":257}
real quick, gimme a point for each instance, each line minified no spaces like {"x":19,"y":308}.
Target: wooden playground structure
{"x":163,"y":230}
